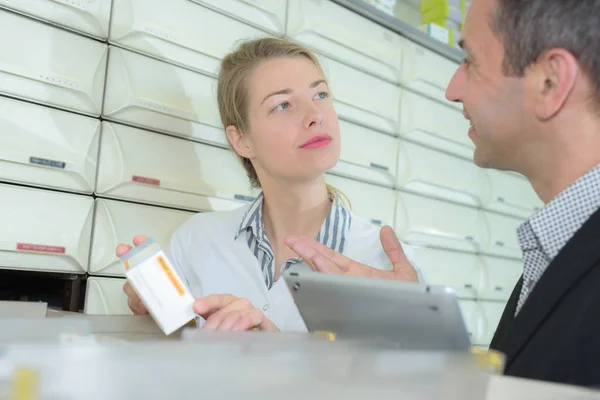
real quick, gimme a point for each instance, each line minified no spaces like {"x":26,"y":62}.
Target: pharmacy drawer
{"x":501,"y":238}
{"x":178,"y":31}
{"x":373,"y":203}
{"x":511,"y":194}
{"x":434,"y":173}
{"x":45,"y":147}
{"x":89,"y":17}
{"x":362,"y":98}
{"x":50,"y":66}
{"x":463,"y":272}
{"x":43,"y":230}
{"x":434,"y":124}
{"x":501,"y":276}
{"x":344,"y":35}
{"x":181,"y":102}
{"x":474,"y":320}
{"x":430,"y":222}
{"x":105,"y":296}
{"x":492,"y":313}
{"x":367,"y":155}
{"x":118,"y":222}
{"x":426,"y":72}
{"x":158,"y":169}
{"x":268,"y":15}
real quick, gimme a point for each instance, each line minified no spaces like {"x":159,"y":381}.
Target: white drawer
{"x":373,"y":203}
{"x":178,"y":31}
{"x":181,"y":102}
{"x":501,"y":237}
{"x":367,"y":155}
{"x":118,"y":222}
{"x":105,"y":296}
{"x":50,"y":66}
{"x":362,"y":98}
{"x":159,"y":169}
{"x":461,"y":271}
{"x":474,"y":320}
{"x":264,"y":14}
{"x":511,"y":194}
{"x":430,"y":172}
{"x":44,"y":231}
{"x":45,"y":147}
{"x":435,"y":125}
{"x":347,"y":36}
{"x":492,"y":313}
{"x":89,"y":17}
{"x":427,"y":72}
{"x":501,"y":276}
{"x":425,"y":221}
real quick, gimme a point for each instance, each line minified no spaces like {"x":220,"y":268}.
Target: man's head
{"x":531,"y":76}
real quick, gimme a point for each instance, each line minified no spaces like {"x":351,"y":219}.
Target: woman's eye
{"x":283,"y":106}
{"x":322,"y":95}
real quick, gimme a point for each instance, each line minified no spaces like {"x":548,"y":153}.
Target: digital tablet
{"x":412,"y":316}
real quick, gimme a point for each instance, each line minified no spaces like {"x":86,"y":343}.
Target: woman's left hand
{"x":225,"y":312}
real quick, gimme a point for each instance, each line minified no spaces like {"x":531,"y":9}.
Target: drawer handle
{"x":468,"y":286}
{"x":243,"y":197}
{"x":381,"y":167}
{"x":498,"y":288}
{"x":500,"y":243}
{"x":376,"y":222}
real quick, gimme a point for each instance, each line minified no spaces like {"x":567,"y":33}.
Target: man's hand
{"x":323,"y":259}
{"x":225,"y":312}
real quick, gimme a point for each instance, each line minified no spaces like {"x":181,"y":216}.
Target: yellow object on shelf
{"x":25,"y":384}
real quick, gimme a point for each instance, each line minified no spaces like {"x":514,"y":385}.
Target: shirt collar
{"x":332,"y":234}
{"x":555,"y":224}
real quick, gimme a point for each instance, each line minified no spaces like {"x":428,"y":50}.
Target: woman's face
{"x":294,"y":132}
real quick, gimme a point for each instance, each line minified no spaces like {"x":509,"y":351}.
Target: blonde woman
{"x":278,"y":116}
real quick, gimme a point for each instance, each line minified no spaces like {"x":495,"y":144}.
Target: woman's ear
{"x":241,"y":145}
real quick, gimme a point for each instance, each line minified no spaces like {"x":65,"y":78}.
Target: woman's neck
{"x":294,"y":209}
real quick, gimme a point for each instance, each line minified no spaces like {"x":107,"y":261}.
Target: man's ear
{"x":241,"y":145}
{"x":556,"y":75}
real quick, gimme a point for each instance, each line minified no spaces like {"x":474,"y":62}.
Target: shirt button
{"x":265,"y":307}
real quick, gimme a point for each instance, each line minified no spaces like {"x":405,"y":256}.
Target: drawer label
{"x":145,"y":180}
{"x":243,"y":197}
{"x":379,"y":166}
{"x":42,"y":248}
{"x":46,"y":162}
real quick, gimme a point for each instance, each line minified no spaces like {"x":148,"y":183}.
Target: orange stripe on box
{"x":169,"y":273}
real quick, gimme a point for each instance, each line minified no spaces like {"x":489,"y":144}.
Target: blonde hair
{"x":232,"y":89}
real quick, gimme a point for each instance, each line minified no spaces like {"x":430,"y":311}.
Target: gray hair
{"x":528,"y":28}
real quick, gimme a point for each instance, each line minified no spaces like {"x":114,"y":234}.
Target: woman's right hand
{"x":133,"y":300}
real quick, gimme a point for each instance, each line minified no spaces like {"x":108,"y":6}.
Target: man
{"x":530,"y":86}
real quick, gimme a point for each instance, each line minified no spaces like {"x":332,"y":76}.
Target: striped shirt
{"x":333,"y":235}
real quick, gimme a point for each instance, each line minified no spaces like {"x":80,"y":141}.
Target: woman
{"x":278,"y":116}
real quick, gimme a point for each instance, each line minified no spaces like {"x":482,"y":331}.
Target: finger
{"x":209,"y":305}
{"x":232,"y":318}
{"x":318,"y":256}
{"x":122,"y":249}
{"x":253,"y":318}
{"x":133,"y":300}
{"x":139,"y":239}
{"x":392,"y":247}
{"x":216,"y":319}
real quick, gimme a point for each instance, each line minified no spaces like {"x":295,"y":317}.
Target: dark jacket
{"x":556,"y":335}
